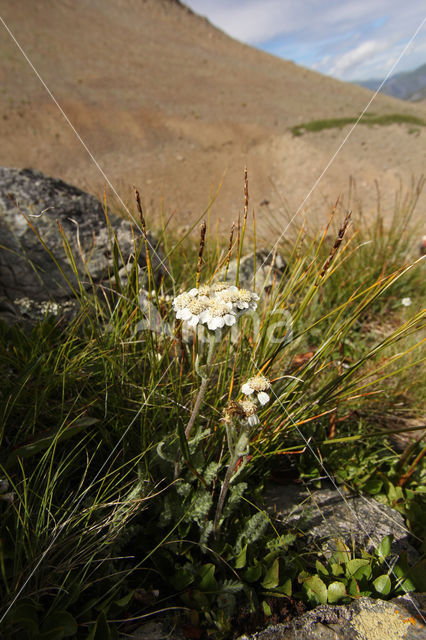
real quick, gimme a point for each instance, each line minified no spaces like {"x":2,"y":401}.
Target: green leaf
{"x":353,"y":588}
{"x":101,"y":630}
{"x":320,"y":568}
{"x":272,"y":575}
{"x":116,"y":265}
{"x":60,"y":622}
{"x":373,"y":485}
{"x":253,"y":573}
{"x":25,"y":614}
{"x":335,"y":591}
{"x":315,"y":589}
{"x":382,"y":584}
{"x":48,"y":635}
{"x":353,"y":566}
{"x":285,"y":588}
{"x":342,"y":553}
{"x":125,"y":600}
{"x":266,"y":609}
{"x":336,"y":569}
{"x":384,"y":547}
{"x":34,"y":448}
{"x":182,"y":579}
{"x":207,"y":579}
{"x":417,"y":575}
{"x":241,"y":559}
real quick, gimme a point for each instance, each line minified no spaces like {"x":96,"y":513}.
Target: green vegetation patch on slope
{"x":369,"y":119}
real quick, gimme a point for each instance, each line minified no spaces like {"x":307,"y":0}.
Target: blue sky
{"x":350,"y":40}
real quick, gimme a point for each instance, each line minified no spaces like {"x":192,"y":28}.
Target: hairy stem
{"x":202,"y":390}
{"x":240,"y":449}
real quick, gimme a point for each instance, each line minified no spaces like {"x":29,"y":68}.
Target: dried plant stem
{"x":143,"y":225}
{"x":403,"y":479}
{"x":200,"y":252}
{"x":237,"y":277}
{"x":334,"y":248}
{"x":254,"y":251}
{"x":228,"y":255}
{"x":246,"y":202}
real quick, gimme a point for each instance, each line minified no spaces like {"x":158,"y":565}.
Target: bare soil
{"x":163,"y":100}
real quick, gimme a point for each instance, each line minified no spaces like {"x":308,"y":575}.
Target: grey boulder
{"x":330,"y":513}
{"x":364,"y":619}
{"x":38,"y":215}
{"x":260,"y":271}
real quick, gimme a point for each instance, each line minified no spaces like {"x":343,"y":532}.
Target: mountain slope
{"x":409,"y":85}
{"x":164,"y":100}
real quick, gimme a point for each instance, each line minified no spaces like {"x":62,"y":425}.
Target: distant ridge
{"x":408,"y":85}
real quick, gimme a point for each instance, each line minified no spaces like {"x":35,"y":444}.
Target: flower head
{"x":217,"y":305}
{"x":245,"y":410}
{"x":258,"y":385}
{"x":241,"y":299}
{"x":250,"y":412}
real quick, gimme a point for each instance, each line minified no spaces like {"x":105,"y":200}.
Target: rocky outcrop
{"x":364,"y":619}
{"x":53,"y":234}
{"x":326,"y":514}
{"x":258,"y":272}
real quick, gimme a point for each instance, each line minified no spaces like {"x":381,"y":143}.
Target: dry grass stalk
{"x":335,"y":247}
{"x":237,"y":277}
{"x":203,"y":229}
{"x":143,"y":225}
{"x":229,"y":252}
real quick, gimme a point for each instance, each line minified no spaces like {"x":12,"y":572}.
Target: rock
{"x":155,"y":630}
{"x":30,"y":270}
{"x":327,"y":514}
{"x":364,"y":619}
{"x":270,"y":268}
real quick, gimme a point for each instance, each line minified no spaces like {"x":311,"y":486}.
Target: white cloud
{"x":354,"y":57}
{"x":346,"y":38}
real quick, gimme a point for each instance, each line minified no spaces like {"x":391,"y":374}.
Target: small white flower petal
{"x":229,"y":319}
{"x":212,"y":324}
{"x":193,"y":292}
{"x":263,"y":397}
{"x":184,"y":314}
{"x":192,"y":322}
{"x":205,"y":316}
{"x":246,"y":389}
{"x":253,"y":420}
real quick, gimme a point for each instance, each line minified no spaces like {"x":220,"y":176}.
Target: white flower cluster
{"x":258,"y":385}
{"x":250,"y":412}
{"x":217,"y":305}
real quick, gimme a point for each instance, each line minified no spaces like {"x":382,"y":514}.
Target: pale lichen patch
{"x":376,"y":623}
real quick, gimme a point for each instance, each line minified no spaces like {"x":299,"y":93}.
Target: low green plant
{"x":135,"y":448}
{"x":367,"y":118}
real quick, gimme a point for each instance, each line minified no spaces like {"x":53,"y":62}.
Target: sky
{"x":347,"y":39}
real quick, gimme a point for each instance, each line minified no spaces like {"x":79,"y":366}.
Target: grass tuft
{"x":132,"y":467}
